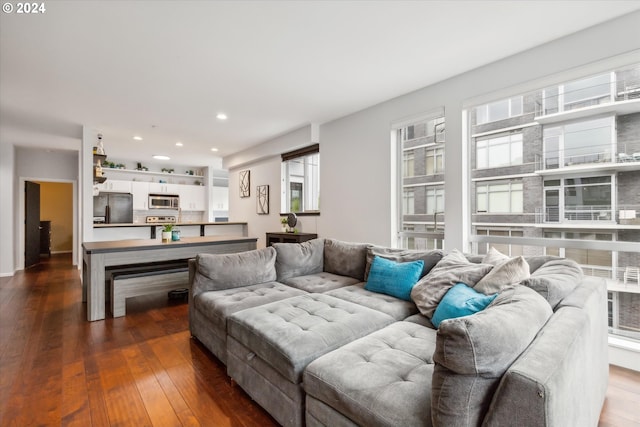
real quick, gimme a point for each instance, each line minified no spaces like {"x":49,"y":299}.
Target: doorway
{"x":48,"y":219}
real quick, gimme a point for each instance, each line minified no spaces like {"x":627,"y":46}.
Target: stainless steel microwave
{"x":164,"y":201}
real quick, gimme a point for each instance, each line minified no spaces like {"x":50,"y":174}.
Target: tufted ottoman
{"x":383,"y":379}
{"x":214,"y":307}
{"x":269,"y":346}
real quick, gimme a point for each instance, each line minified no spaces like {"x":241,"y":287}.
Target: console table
{"x":96,"y":256}
{"x":280,"y":237}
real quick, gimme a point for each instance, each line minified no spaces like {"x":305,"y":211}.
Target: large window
{"x":495,"y":152}
{"x":499,"y":197}
{"x":420,"y":146}
{"x":301,"y":180}
{"x":588,"y":141}
{"x":499,"y":110}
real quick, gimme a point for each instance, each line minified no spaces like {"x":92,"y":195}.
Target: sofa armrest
{"x":561,"y":379}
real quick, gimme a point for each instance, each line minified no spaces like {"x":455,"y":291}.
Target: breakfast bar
{"x":97,"y":256}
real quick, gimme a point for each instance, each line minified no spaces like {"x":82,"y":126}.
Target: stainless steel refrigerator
{"x":113,"y":208}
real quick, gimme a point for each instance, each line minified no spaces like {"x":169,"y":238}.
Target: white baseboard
{"x":624,"y":353}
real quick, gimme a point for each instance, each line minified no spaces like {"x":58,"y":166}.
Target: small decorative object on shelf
{"x":100,"y":147}
{"x":167,"y":233}
{"x":98,"y":169}
{"x":292,"y":221}
{"x":283,"y":221}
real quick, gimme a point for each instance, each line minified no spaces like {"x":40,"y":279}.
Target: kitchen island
{"x":97,"y":256}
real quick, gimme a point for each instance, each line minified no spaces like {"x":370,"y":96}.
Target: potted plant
{"x":283,"y":221}
{"x":166,"y":232}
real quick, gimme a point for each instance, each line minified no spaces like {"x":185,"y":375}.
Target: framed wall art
{"x":262,"y":200}
{"x":245,"y":182}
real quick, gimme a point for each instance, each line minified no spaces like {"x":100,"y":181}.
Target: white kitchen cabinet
{"x":193,"y":198}
{"x":163,"y":188}
{"x":115,"y":186}
{"x":140,"y":191}
{"x":220,"y":198}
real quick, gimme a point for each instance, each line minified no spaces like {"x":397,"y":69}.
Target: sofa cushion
{"x":224,"y":271}
{"x":506,"y":273}
{"x":453,"y":268}
{"x":494,"y":257}
{"x":320,"y":282}
{"x":345,"y":259}
{"x":460,"y":300}
{"x":383,"y":379}
{"x":289,"y":334}
{"x":394,"y":307}
{"x":430,"y":258}
{"x":393,"y":278}
{"x":473,"y":352}
{"x":555,"y":279}
{"x":299,"y":259}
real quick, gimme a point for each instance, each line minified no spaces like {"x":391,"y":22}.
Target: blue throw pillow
{"x":393,"y":278}
{"x":460,"y":300}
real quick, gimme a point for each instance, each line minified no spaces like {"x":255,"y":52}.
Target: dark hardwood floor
{"x":139,"y":370}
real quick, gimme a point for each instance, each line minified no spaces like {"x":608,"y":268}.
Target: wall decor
{"x":245,"y":182}
{"x":262,"y":200}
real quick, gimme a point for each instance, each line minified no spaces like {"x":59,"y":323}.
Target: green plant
{"x":167,"y":228}
{"x":283,"y":221}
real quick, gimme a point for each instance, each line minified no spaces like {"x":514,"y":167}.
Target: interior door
{"x":31,"y":224}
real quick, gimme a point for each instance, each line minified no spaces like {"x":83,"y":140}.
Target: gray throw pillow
{"x":507,"y":273}
{"x":555,"y":279}
{"x":299,"y":259}
{"x":345,"y":259}
{"x":494,"y":257}
{"x":453,"y":268}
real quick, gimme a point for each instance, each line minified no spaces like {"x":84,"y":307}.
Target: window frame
{"x":310,"y":180}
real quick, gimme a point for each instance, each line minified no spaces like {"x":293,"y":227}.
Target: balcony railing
{"x":624,"y":215}
{"x":594,"y":154}
{"x":587,"y":96}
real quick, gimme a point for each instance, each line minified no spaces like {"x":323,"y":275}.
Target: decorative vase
{"x":166,"y":236}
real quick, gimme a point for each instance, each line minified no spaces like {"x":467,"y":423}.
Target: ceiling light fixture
{"x":160,"y":157}
{"x":214,"y":149}
{"x":221,"y":116}
{"x":137,"y":138}
{"x":179,"y":144}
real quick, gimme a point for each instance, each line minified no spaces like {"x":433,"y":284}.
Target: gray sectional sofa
{"x":302,"y":336}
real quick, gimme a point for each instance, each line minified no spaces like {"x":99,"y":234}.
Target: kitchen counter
{"x":178,"y":224}
{"x":97,"y":256}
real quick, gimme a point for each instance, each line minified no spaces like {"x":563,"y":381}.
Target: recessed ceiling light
{"x":221,"y":116}
{"x":137,"y":138}
{"x":160,"y":157}
{"x":214,"y":149}
{"x":178,"y":144}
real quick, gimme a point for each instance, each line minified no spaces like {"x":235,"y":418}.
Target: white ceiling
{"x":163,"y":69}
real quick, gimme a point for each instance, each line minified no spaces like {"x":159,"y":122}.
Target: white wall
{"x":7,"y":250}
{"x":38,"y":164}
{"x":356,"y":190}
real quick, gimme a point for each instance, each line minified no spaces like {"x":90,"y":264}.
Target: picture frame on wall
{"x":262,"y":200}
{"x":245,"y":183}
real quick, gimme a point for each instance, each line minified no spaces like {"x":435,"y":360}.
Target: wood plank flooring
{"x":140,"y":370}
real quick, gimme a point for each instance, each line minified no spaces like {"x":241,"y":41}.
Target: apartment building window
{"x":579,"y":199}
{"x":434,"y":199}
{"x":499,"y":110}
{"x":500,"y":151}
{"x":594,"y":262}
{"x":408,"y":164}
{"x":580,"y":93}
{"x":587,"y":141}
{"x":499,"y":197}
{"x":434,"y":161}
{"x":300,"y":174}
{"x":408,"y":201}
{"x":420,"y":149}
{"x":507,"y":249}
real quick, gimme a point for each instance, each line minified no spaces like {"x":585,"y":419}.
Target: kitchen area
{"x":137,"y":204}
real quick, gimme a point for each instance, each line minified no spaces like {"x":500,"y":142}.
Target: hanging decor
{"x":245,"y":182}
{"x":262,"y":206}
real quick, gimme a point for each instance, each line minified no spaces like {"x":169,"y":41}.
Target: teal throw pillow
{"x":460,"y":300}
{"x":393,"y":278}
